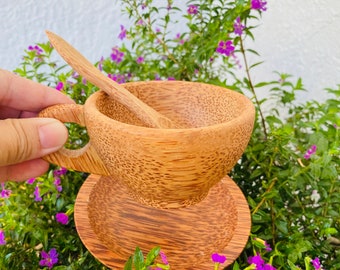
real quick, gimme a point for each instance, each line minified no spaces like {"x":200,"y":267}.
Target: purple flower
{"x":2,"y":238}
{"x":260,"y":263}
{"x":178,"y":37}
{"x":267,"y":246}
{"x":140,"y":59}
{"x":259,"y":4}
{"x":35,"y":48}
{"x":310,"y":151}
{"x":116,"y":55}
{"x":30,"y":181}
{"x":49,"y":259}
{"x":5,"y":193}
{"x":237,"y":60}
{"x":238,"y":27}
{"x":122,"y":33}
{"x":117,"y":78}
{"x":141,"y":22}
{"x":316,"y":263}
{"x":61,"y":218}
{"x":36,"y":194}
{"x":217,"y":258}
{"x":192,"y":9}
{"x":57,"y":184}
{"x":225,"y":47}
{"x":163,"y":257}
{"x":59,"y":86}
{"x":60,"y":171}
{"x":100,"y":63}
{"x":257,"y":260}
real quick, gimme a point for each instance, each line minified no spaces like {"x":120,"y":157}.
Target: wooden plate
{"x":112,"y":224}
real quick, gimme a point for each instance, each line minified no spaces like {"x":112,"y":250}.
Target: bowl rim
{"x":247,"y":114}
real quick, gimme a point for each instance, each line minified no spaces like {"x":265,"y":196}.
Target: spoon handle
{"x":80,"y":64}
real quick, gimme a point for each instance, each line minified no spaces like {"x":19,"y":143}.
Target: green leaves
{"x":152,"y":255}
{"x":138,"y":259}
{"x":137,"y":262}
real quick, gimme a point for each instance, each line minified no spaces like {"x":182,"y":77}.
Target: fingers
{"x":23,"y":171}
{"x":26,"y":95}
{"x":24,"y":141}
{"x":29,"y":138}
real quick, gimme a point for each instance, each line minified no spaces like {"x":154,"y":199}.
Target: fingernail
{"x":53,"y":135}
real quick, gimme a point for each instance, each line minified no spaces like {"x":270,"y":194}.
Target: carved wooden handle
{"x":85,"y":159}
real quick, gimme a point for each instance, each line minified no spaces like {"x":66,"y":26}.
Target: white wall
{"x":91,"y":26}
{"x":297,"y":37}
{"x":301,"y":38}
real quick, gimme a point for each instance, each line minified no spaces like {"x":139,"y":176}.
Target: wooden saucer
{"x":111,"y":225}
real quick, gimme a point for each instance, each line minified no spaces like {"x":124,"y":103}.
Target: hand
{"x":25,"y":138}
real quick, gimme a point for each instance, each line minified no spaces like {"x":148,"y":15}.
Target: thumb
{"x":29,"y":138}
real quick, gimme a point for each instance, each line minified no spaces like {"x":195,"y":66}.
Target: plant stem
{"x":251,"y":86}
{"x":273,"y":218}
{"x":263,"y":197}
{"x":330,"y":193}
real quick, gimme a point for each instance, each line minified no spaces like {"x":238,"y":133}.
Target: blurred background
{"x":301,"y":38}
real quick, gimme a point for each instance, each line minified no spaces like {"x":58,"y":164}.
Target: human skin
{"x":24,"y":137}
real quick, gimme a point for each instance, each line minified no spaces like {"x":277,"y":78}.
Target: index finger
{"x":26,"y":95}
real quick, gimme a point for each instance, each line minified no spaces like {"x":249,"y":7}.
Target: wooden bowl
{"x":171,"y":168}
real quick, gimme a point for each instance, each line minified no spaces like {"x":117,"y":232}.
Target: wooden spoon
{"x":80,"y":64}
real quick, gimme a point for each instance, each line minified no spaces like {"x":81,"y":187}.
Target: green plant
{"x":137,"y":260}
{"x":289,"y":171}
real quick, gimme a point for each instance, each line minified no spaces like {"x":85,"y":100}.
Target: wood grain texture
{"x":170,"y":168}
{"x":111,"y":224}
{"x":75,"y":59}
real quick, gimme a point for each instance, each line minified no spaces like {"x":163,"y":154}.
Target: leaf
{"x":330,"y":231}
{"x":272,"y":119}
{"x":251,"y":202}
{"x":138,"y":259}
{"x":299,"y":85}
{"x":236,"y":266}
{"x":255,"y":228}
{"x":272,"y":194}
{"x":256,"y":173}
{"x":282,"y":226}
{"x":329,"y":172}
{"x":253,"y":51}
{"x":261,"y":84}
{"x":152,"y":255}
{"x":128,"y":264}
{"x":293,"y":266}
{"x":320,"y":141}
{"x":315,"y":170}
{"x":261,"y":217}
{"x":256,"y":64}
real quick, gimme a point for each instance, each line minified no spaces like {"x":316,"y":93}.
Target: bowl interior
{"x":188,"y":103}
